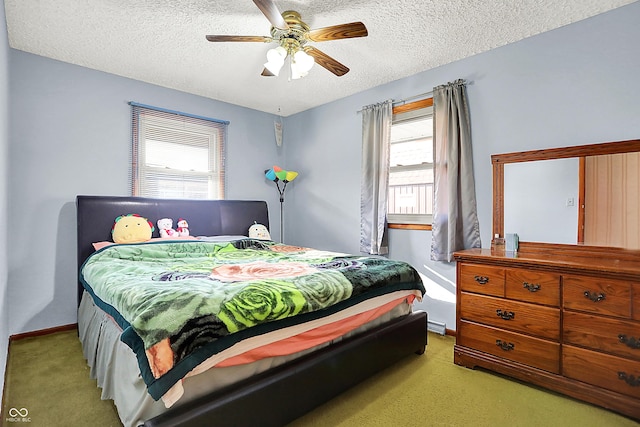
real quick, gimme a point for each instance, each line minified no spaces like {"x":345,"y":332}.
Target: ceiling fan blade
{"x":239,"y":39}
{"x":270,"y":10}
{"x":336,"y":32}
{"x":326,"y":61}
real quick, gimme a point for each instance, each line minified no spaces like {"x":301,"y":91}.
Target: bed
{"x":278,"y":388}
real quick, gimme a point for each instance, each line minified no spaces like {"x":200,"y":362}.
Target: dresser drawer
{"x":619,"y":337}
{"x":513,"y":315}
{"x":539,"y":353}
{"x":487,"y":280}
{"x":533,"y":286}
{"x":602,"y":370}
{"x":602,"y":296}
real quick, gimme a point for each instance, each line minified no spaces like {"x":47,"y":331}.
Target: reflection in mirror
{"x":541,"y":200}
{"x":533,"y":194}
{"x":611,"y":199}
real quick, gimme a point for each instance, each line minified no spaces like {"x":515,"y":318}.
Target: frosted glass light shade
{"x":303,"y":61}
{"x":275,"y":60}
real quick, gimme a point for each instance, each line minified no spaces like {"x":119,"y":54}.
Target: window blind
{"x":176,"y":155}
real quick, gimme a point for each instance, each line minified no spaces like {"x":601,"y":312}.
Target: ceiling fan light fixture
{"x":274,"y":68}
{"x":275,"y":60}
{"x":303,"y":61}
{"x":276,"y":54}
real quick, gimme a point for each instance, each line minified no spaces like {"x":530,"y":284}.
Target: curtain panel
{"x":455,"y":219}
{"x":376,"y":138}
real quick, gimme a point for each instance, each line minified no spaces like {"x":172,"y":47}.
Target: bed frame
{"x":279,"y":395}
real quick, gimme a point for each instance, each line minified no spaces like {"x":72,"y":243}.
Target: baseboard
{"x":436,"y":327}
{"x":41,"y":332}
{"x":440,"y":328}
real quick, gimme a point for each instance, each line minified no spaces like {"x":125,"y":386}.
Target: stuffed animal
{"x":131,"y":228}
{"x":183,"y":227}
{"x":165,"y":228}
{"x":259,"y":231}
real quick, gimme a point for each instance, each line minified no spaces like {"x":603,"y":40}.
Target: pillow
{"x":100,"y":245}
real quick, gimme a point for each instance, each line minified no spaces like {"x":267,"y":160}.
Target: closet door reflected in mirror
{"x":611,"y":200}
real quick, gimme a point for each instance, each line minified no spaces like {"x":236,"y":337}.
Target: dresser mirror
{"x":581,"y":195}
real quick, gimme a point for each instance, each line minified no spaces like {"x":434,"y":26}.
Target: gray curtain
{"x":455,"y":219}
{"x":376,"y":137}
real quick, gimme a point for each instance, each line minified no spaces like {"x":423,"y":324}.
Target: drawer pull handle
{"x":483,"y":280}
{"x":531,"y":287}
{"x":507,"y":346}
{"x":506,"y":315}
{"x":594,"y":297}
{"x":630,"y":342}
{"x":629,"y":379}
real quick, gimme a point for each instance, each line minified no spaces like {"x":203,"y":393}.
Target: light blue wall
{"x":4,"y":144}
{"x":575,"y":85}
{"x":70,"y":135}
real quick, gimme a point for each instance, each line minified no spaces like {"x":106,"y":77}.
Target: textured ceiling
{"x":163,"y":41}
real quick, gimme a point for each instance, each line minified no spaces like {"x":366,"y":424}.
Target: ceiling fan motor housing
{"x":294,"y":38}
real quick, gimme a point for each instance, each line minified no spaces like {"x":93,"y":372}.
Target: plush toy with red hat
{"x":183,"y":227}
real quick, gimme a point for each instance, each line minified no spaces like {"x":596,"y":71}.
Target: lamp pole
{"x":281,"y":191}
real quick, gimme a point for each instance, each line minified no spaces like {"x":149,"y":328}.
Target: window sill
{"x":410,"y":226}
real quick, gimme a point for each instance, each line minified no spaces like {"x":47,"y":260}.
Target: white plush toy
{"x":165,"y":227}
{"x":259,"y":231}
{"x":183,"y":227}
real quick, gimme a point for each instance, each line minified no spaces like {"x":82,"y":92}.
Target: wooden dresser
{"x":567,"y":319}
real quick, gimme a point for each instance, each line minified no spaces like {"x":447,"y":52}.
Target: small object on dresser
{"x":511,"y":242}
{"x":497,"y":242}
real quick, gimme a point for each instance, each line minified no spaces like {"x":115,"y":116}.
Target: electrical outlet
{"x":571,"y":201}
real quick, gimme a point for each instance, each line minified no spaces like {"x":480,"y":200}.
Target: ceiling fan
{"x":292,"y":35}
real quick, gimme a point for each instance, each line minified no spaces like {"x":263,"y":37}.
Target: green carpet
{"x":49,"y":377}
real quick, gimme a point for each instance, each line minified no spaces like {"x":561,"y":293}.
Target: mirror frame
{"x":499,"y":160}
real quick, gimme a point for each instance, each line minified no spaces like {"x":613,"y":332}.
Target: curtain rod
{"x":403,"y":101}
{"x":411,"y":98}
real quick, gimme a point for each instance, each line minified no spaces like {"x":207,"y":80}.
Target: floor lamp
{"x":279,"y":175}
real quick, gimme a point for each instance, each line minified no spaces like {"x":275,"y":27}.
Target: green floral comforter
{"x":178,"y":303}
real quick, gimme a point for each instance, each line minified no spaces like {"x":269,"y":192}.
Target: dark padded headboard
{"x":96,"y":215}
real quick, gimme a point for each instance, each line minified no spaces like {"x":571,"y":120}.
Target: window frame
{"x":400,"y":222}
{"x":209,"y":133}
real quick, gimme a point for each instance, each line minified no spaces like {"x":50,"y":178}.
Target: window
{"x":410,"y":199}
{"x":176,"y":156}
